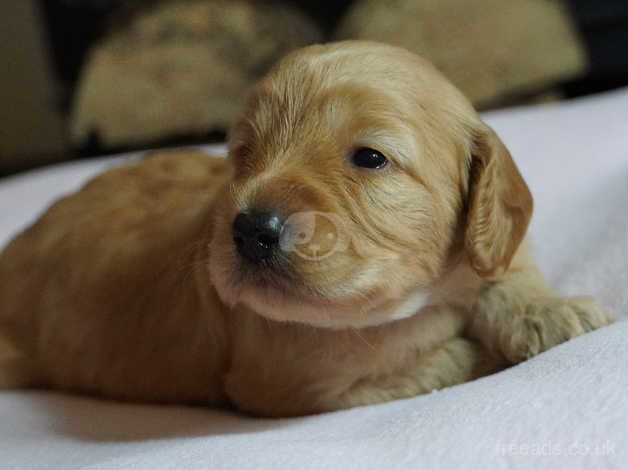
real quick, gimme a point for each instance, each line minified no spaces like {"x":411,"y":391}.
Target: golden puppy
{"x":362,"y":243}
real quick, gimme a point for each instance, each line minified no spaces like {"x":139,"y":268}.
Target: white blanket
{"x":567,"y":408}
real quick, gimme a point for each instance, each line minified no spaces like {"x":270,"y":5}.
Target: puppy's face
{"x":355,"y":189}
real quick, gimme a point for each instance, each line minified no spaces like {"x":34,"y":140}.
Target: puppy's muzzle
{"x":256,"y":235}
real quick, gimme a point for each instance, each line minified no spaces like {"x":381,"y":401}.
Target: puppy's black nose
{"x":256,"y":234}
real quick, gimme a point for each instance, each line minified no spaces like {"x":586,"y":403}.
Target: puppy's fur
{"x":132,"y":288}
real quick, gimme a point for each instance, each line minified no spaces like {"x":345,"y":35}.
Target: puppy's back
{"x":90,"y":279}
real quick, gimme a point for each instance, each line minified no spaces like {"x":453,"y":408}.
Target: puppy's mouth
{"x":237,"y":277}
{"x":273,"y":273}
{"x":273,"y":290}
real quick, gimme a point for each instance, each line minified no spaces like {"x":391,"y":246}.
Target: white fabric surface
{"x":570,"y":400}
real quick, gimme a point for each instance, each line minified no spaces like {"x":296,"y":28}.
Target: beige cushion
{"x":489,"y":48}
{"x":181,"y":68}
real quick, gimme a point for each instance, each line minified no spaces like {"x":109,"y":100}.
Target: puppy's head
{"x":361,"y":177}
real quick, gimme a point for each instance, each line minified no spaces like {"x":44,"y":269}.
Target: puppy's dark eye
{"x":368,"y":158}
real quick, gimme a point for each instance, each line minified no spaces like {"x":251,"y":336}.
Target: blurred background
{"x":91,"y":77}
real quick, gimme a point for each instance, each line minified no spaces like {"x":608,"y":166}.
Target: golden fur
{"x":132,"y":288}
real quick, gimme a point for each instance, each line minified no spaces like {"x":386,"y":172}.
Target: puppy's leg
{"x":456,"y":361}
{"x":520,"y":316}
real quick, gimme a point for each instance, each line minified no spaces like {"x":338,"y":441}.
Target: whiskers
{"x":357,"y":332}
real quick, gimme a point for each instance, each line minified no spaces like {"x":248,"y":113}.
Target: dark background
{"x":70,"y":28}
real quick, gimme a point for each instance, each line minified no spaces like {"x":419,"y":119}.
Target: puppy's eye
{"x":368,"y":158}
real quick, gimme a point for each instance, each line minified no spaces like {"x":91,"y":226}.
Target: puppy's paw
{"x":546,"y":322}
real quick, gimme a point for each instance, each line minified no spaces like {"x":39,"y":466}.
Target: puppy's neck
{"x":457,"y":287}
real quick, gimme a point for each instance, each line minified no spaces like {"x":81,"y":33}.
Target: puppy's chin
{"x":287,"y":299}
{"x":265,"y":293}
{"x":278,"y":306}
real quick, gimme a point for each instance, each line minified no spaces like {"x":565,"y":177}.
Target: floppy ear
{"x":499,"y":205}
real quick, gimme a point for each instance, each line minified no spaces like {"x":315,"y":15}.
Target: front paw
{"x":546,"y":322}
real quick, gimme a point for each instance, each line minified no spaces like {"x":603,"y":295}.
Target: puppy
{"x":363,"y":242}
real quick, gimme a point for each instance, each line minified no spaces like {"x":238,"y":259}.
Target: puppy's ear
{"x":499,"y":205}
